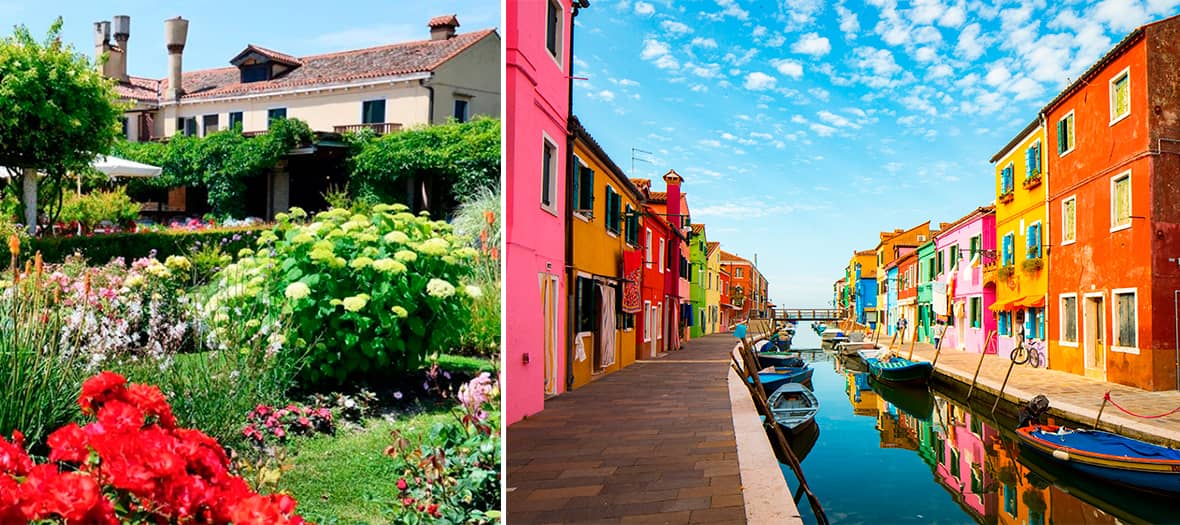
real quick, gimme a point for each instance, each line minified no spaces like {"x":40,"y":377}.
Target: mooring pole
{"x":1100,"y":409}
{"x":913,"y":341}
{"x":982,"y":354}
{"x":1011,"y":365}
{"x":937,"y":350}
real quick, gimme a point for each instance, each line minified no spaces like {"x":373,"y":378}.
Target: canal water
{"x":882,"y":454}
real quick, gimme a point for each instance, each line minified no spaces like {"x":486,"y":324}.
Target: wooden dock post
{"x":982,"y":354}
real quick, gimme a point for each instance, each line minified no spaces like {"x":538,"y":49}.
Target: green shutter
{"x":1061,"y":138}
{"x":577,"y":181}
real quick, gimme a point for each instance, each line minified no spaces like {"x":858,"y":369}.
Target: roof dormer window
{"x":258,"y":64}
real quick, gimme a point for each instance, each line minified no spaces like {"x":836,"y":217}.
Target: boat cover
{"x":1106,"y":443}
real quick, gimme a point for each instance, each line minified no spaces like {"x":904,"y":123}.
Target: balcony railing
{"x":380,"y":128}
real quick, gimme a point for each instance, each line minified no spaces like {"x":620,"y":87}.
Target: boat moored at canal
{"x":1108,"y":456}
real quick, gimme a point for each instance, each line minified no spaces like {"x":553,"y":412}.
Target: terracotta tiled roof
{"x":698,"y":228}
{"x":332,"y":68}
{"x":139,"y":88}
{"x":711,"y":247}
{"x":726,"y":256}
{"x":643,"y":184}
{"x":444,"y":20}
{"x":658,"y":196}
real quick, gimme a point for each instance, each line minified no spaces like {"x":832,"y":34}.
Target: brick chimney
{"x":175,"y":36}
{"x":672,"y":277}
{"x":443,"y":27}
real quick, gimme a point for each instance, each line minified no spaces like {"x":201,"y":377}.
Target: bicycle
{"x":1031,"y":352}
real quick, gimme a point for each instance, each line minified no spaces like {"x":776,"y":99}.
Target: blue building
{"x":866,"y":298}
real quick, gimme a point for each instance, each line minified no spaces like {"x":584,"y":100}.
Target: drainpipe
{"x":1046,"y":234}
{"x":430,"y":104}
{"x":571,"y":277}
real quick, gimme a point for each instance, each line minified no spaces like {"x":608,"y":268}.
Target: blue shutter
{"x":1028,"y":163}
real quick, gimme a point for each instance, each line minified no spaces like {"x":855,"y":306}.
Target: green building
{"x":698,"y":258}
{"x":926,"y":275}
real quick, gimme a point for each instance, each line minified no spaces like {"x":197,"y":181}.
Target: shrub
{"x":477,"y":224}
{"x":133,"y":464}
{"x":90,"y":209}
{"x":99,"y":249}
{"x":366,"y":293}
{"x":453,"y":474}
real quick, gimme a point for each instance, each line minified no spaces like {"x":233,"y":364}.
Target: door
{"x":1095,"y":352}
{"x":657,"y":329}
{"x":549,"y":331}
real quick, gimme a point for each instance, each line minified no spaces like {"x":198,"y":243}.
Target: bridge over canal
{"x":805,"y":314}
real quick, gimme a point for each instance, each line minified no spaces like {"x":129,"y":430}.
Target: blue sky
{"x":220,"y":29}
{"x":805,"y":127}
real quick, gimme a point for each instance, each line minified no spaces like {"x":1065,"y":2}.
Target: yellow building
{"x":713,"y":287}
{"x":605,"y":225}
{"x":1020,"y":276}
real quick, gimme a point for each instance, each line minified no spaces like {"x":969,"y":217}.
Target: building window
{"x":255,"y":73}
{"x":613,"y":202}
{"x":627,"y":321}
{"x":553,"y":22}
{"x":1006,"y":179}
{"x":1032,"y":161}
{"x":648,"y":320}
{"x":1069,"y":214}
{"x":976,"y":310}
{"x":1032,"y":242}
{"x":647,"y":259}
{"x":1069,"y":318}
{"x":1004,"y":323}
{"x":1010,"y":499}
{"x":1120,"y":201}
{"x":275,"y":114}
{"x":662,"y":257}
{"x":737,"y":272}
{"x":586,"y":303}
{"x":186,"y":126}
{"x":583,"y":189}
{"x":975,"y":245}
{"x":938,"y":263}
{"x":1126,"y":323}
{"x":1120,"y":96}
{"x":954,"y":257}
{"x":235,"y":120}
{"x":209,"y":124}
{"x":549,"y":176}
{"x":373,"y":111}
{"x":460,"y":112}
{"x":126,"y":128}
{"x":1065,"y":135}
{"x":632,"y":226}
{"x":1008,"y":258}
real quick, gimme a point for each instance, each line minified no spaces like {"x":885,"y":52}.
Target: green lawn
{"x":347,"y":479}
{"x":472,"y":365}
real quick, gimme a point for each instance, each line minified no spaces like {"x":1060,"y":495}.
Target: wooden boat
{"x":1107,"y":456}
{"x":771,"y":381}
{"x":871,"y":353}
{"x":850,"y":348}
{"x":793,"y":406}
{"x":899,"y":370}
{"x":779,"y":359}
{"x":830,"y":334}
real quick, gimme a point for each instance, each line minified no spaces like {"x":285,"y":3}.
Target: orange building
{"x":1113,"y":161}
{"x":741,"y":282}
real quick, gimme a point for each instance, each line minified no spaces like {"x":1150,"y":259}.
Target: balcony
{"x":380,"y":128}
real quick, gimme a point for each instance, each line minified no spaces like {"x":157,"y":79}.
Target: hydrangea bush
{"x":365,"y":293}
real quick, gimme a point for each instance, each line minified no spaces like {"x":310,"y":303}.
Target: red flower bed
{"x":130,"y":464}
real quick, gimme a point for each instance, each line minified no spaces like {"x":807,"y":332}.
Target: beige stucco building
{"x":385,"y":88}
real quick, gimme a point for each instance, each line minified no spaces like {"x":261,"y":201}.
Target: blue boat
{"x":771,"y":381}
{"x":1107,"y":456}
{"x":779,"y":359}
{"x":899,"y":370}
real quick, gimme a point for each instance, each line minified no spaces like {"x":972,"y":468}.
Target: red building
{"x":1113,"y":166}
{"x":727,"y":309}
{"x":656,"y":328}
{"x":907,"y":288}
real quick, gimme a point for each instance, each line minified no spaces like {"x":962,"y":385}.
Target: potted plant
{"x":1005,"y":271}
{"x":1007,"y":196}
{"x":1033,"y":265}
{"x":1032,"y":181}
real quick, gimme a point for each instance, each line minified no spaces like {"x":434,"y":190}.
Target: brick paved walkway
{"x":652,"y":443}
{"x":1071,"y":396}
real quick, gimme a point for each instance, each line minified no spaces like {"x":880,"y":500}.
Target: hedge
{"x":101,"y":248}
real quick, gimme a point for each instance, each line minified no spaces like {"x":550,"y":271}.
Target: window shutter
{"x":1060,"y":136}
{"x":1028,"y":163}
{"x":577,"y":185}
{"x":590,"y":190}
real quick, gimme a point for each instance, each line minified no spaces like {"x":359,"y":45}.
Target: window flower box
{"x":1032,"y":182}
{"x":1033,"y":265}
{"x":1004,"y":272}
{"x":1005,"y":198}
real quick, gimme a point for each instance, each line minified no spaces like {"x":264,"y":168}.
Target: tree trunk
{"x":29,"y":187}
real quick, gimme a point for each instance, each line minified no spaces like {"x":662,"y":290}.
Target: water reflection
{"x":978,"y":461}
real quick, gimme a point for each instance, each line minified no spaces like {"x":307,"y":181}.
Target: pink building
{"x":962,"y":462}
{"x":961,"y":251}
{"x":539,"y":59}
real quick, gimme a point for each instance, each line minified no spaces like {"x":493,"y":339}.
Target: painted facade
{"x":657,"y":237}
{"x":962,"y":460}
{"x":907,"y":292}
{"x":927,"y":275}
{"x":605,"y":226}
{"x":672,"y":205}
{"x":861,"y":276}
{"x":713,"y":287}
{"x":891,"y":244}
{"x":698,"y":273}
{"x":538,"y":58}
{"x":961,"y":246}
{"x":1021,"y":279}
{"x":1113,"y":276}
{"x":741,"y":278}
{"x":726,"y":301}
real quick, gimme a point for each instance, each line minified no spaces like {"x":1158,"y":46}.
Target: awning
{"x":1000,"y":306}
{"x":1037,"y":301}
{"x":1028,"y":301}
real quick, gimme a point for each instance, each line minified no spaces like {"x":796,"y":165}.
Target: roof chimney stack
{"x":175,"y":35}
{"x":443,"y":27}
{"x":122,"y":30}
{"x":102,"y":43}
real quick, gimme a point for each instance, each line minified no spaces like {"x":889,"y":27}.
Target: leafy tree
{"x":220,"y":162}
{"x":455,"y":160}
{"x":58,"y":111}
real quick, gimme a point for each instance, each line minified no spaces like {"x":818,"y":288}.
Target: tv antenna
{"x":640,"y":159}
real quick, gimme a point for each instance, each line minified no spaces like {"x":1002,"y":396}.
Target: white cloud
{"x":1026,"y":88}
{"x":879,"y":61}
{"x":652,"y":49}
{"x":759,"y":31}
{"x":712,"y":143}
{"x":703,"y":70}
{"x":849,"y":22}
{"x":836,"y":120}
{"x":969,"y":47}
{"x":954,"y":16}
{"x":926,"y":11}
{"x":675,"y":28}
{"x":997,"y":74}
{"x":761,"y":136}
{"x":812,"y":44}
{"x":822,"y":130}
{"x":939,"y":71}
{"x":788,"y":67}
{"x":625,"y":82}
{"x":729,"y":8}
{"x":644,"y":9}
{"x":925,"y":54}
{"x":820,"y":94}
{"x":605,"y":95}
{"x":758,"y":81}
{"x":707,"y":43}
{"x":800,"y":13}
{"x":667,"y":62}
{"x":1121,"y":15}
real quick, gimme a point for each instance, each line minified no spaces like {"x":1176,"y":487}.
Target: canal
{"x":887,"y":455}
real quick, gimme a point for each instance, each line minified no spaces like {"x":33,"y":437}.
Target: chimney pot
{"x":443,"y":27}
{"x":121,"y":26}
{"x":175,"y":35}
{"x":102,"y":33}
